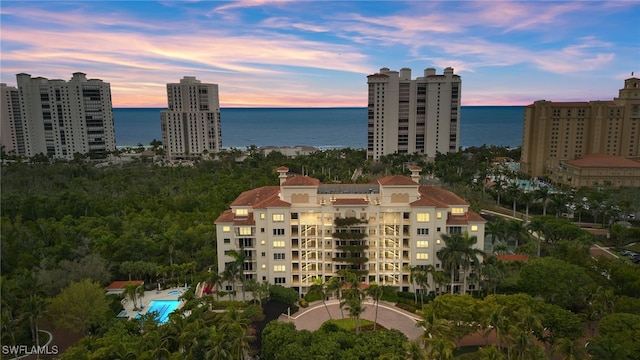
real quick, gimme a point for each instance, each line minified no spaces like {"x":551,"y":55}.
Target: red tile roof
{"x":603,"y":160}
{"x":513,"y":257}
{"x":396,"y":180}
{"x":359,"y":201}
{"x":254,"y":196}
{"x":117,"y":285}
{"x":300,"y":180}
{"x":441,"y":195}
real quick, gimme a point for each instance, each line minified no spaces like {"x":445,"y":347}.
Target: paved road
{"x":389,"y":316}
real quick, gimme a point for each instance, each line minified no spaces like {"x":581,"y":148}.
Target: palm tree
{"x":542,"y":193}
{"x":497,"y":230}
{"x":571,"y":349}
{"x":239,"y":257}
{"x":459,"y":252}
{"x":413,"y":273}
{"x":353,"y":297}
{"x":133,"y":291}
{"x":375,"y":292}
{"x":452,"y":254}
{"x":517,"y":231}
{"x":34,"y":308}
{"x":422,"y":279}
{"x":527,"y":197}
{"x":319,"y":287}
{"x":230,"y":274}
{"x":513,"y":192}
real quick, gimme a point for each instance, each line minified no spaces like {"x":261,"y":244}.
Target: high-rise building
{"x":413,"y":116}
{"x":191,"y":123}
{"x":58,"y":118}
{"x":303,"y":229}
{"x":554,"y":132}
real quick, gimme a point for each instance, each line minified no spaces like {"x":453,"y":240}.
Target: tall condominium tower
{"x":191,"y":123}
{"x":413,"y":116}
{"x":557,"y":131}
{"x":57,"y":118}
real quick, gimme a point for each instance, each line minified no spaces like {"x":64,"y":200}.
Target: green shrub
{"x":313,"y":296}
{"x":303,"y":303}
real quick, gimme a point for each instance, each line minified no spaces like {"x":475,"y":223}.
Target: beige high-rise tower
{"x":413,"y":116}
{"x":554,"y":132}
{"x":191,"y":123}
{"x":58,"y":118}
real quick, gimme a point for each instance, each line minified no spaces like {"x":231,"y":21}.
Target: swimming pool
{"x":175,"y":292}
{"x":163,"y":309}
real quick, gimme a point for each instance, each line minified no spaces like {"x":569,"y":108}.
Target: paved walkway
{"x":389,"y":316}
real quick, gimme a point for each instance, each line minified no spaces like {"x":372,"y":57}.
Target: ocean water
{"x":318,"y":127}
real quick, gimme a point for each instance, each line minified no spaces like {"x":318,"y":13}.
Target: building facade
{"x":555,"y":132}
{"x":413,"y":116}
{"x":191,"y":123}
{"x":595,"y":170}
{"x":302,"y":230}
{"x":58,"y":118}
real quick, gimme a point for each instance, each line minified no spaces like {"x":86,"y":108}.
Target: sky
{"x":266,"y":53}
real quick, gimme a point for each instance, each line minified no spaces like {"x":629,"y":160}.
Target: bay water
{"x":317,"y":127}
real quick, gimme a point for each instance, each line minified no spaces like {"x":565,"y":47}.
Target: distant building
{"x":303,"y":229}
{"x":191,"y":123}
{"x":57,"y":118}
{"x":413,"y":116}
{"x":556,"y":132}
{"x":597,"y":170}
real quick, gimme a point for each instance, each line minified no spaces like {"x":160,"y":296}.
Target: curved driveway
{"x":389,"y":316}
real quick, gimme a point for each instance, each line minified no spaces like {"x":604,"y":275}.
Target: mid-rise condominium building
{"x":191,"y":123}
{"x":413,"y":116}
{"x":57,"y":118}
{"x":556,"y":132}
{"x":302,"y":229}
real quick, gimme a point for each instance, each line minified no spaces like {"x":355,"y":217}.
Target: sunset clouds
{"x":304,"y":53}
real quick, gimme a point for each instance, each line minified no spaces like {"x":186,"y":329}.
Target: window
{"x":261,"y":216}
{"x":262,"y":242}
{"x":438,"y":229}
{"x":264,"y":266}
{"x":422,"y":217}
{"x":457,"y":211}
{"x":278,"y":256}
{"x":264,"y":254}
{"x":423,"y":231}
{"x":244,"y":230}
{"x":227,"y":241}
{"x":279,"y":280}
{"x":474,"y":227}
{"x":422,"y":256}
{"x":422,"y":244}
{"x":242,"y":212}
{"x":277,"y":217}
{"x":278,"y":231}
{"x":278,"y":243}
{"x":439,"y":215}
{"x":437,"y":241}
{"x":226,"y":228}
{"x":278,"y":268}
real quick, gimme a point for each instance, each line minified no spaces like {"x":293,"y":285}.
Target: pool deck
{"x":150,"y":296}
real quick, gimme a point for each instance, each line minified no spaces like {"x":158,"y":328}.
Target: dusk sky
{"x":266,"y":53}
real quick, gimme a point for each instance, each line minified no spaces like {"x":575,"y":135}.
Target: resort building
{"x":57,"y":118}
{"x":302,"y":229}
{"x":191,"y":123}
{"x":556,"y":132}
{"x":413,"y":116}
{"x":597,"y":170}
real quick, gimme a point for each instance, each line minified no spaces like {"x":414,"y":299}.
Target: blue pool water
{"x":163,"y":309}
{"x":175,"y":292}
